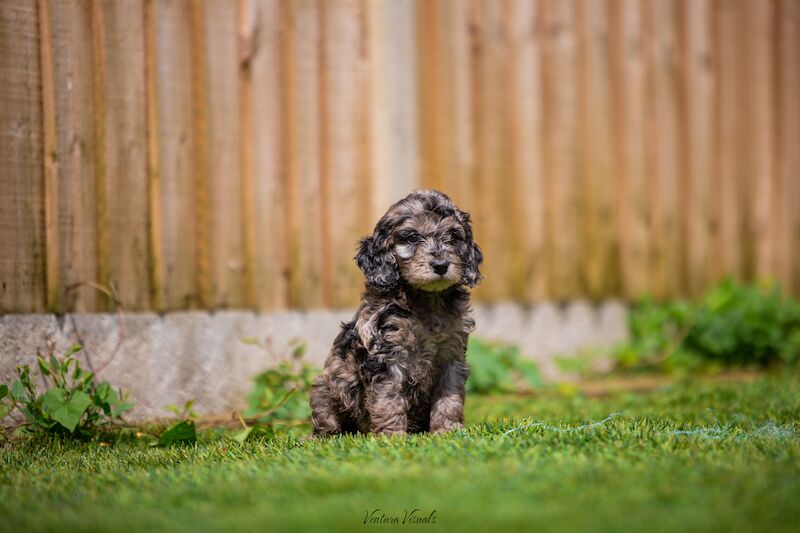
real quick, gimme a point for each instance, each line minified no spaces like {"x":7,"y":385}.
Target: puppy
{"x":399,"y":366}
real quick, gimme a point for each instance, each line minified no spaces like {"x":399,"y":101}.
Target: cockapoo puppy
{"x":399,"y":366}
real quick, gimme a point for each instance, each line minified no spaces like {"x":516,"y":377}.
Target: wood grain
{"x":22,"y":217}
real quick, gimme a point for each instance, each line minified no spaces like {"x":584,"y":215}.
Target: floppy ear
{"x":378,"y":263}
{"x":473,"y":257}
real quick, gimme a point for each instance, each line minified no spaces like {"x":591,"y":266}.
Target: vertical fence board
{"x":271,"y":270}
{"x":343,"y":102}
{"x":629,"y":97}
{"x":245,"y":41}
{"x":432,"y":90}
{"x":460,"y":168}
{"x":74,"y":149}
{"x":175,"y":136}
{"x":22,"y":282}
{"x":225,"y":185}
{"x":126,"y":154}
{"x":698,"y":122}
{"x":788,"y":116}
{"x":665,"y":250}
{"x":154,"y":211}
{"x":562,"y":210}
{"x":509,"y":200}
{"x":490,"y":130}
{"x":526,"y":38}
{"x":599,"y":264}
{"x":52,"y":258}
{"x":393,"y":121}
{"x":759,"y":86}
{"x":302,"y":162}
{"x":728,"y":138}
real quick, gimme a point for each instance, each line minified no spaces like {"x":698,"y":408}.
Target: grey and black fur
{"x":399,"y":366}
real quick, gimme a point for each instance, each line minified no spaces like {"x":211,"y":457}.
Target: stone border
{"x":211,"y":357}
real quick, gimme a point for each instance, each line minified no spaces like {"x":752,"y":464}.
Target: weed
{"x":73,"y":403}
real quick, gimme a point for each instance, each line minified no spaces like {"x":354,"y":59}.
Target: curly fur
{"x":399,"y":366}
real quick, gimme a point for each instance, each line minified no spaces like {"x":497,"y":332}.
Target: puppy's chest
{"x":439,"y":338}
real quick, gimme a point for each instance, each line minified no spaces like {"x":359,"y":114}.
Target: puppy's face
{"x":430,"y":250}
{"x":426,"y":241}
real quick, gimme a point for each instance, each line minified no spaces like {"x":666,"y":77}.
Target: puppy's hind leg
{"x":326,"y":410}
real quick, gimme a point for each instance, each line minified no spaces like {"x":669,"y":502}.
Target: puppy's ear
{"x":378,"y":263}
{"x":473,"y":257}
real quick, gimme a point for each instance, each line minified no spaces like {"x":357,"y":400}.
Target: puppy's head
{"x":425,"y":240}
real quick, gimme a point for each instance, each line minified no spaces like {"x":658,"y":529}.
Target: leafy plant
{"x":497,"y":368}
{"x":281,"y":394}
{"x":73,"y":404}
{"x":183,"y":432}
{"x":733,"y":324}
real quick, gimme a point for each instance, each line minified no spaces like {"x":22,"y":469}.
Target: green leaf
{"x":183,"y":432}
{"x":73,"y":349}
{"x":66,"y":411}
{"x":4,"y":410}
{"x":3,"y":391}
{"x":253,"y":432}
{"x":18,"y":391}
{"x":121,"y":407}
{"x":43,"y":366}
{"x":241,"y":436}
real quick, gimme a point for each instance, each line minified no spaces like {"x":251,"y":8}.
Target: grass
{"x":741,"y":471}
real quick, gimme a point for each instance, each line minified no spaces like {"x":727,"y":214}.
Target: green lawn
{"x":735,"y":467}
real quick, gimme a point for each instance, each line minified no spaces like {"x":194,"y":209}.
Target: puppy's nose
{"x":440,"y":266}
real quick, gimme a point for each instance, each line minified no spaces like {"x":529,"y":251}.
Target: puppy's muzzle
{"x":440,"y":266}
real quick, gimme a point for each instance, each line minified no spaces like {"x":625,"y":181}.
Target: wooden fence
{"x":213,"y":154}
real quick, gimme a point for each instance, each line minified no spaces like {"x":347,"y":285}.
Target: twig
{"x":111,"y":294}
{"x":235,"y":418}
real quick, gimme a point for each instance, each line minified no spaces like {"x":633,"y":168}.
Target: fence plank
{"x":490,"y":120}
{"x":509,"y":200}
{"x":342,"y":103}
{"x":126,"y":153}
{"x":22,"y":281}
{"x":460,"y":169}
{"x":173,"y":89}
{"x":787,"y":193}
{"x":666,"y":251}
{"x":74,"y":148}
{"x":698,"y":104}
{"x":226,"y":242}
{"x":52,"y":258}
{"x":526,"y":38}
{"x":599,"y":262}
{"x":301,"y":157}
{"x":629,"y":97}
{"x":561,"y":166}
{"x":271,"y":270}
{"x":154,"y":245}
{"x":432,"y":90}
{"x":728,"y":140}
{"x":393,"y":121}
{"x":759,"y":87}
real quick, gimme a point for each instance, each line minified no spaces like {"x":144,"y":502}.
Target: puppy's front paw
{"x":389,"y":432}
{"x":447,"y":427}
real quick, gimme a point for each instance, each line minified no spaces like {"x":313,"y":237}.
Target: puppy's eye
{"x":408,"y":237}
{"x":453,"y":236}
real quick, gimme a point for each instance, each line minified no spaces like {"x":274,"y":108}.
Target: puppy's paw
{"x":390,"y":432}
{"x":446,"y":428}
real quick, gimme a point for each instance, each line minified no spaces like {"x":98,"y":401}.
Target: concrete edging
{"x":211,"y":357}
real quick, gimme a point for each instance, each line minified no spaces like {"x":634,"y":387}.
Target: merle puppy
{"x":399,"y":365}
